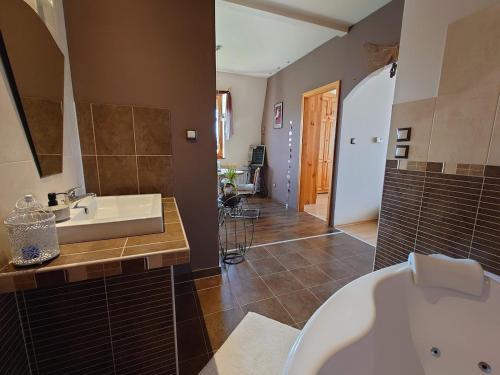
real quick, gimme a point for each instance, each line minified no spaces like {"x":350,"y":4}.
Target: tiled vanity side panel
{"x":112,"y":325}
{"x":13,"y":357}
{"x":142,"y":322}
{"x":68,"y":329}
{"x":399,"y":215}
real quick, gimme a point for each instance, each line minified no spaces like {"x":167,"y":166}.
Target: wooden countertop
{"x":87,"y":260}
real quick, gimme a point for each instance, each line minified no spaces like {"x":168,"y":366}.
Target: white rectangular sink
{"x":112,"y":217}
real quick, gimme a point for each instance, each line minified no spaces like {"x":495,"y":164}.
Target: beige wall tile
{"x":471,"y":57}
{"x":463,"y":126}
{"x":417,"y":115}
{"x":494,"y":152}
{"x":75,"y":274}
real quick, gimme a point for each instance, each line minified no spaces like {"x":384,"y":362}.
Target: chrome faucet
{"x":71,"y":194}
{"x":72,"y":197}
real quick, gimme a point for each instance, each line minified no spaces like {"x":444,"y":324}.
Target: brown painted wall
{"x":157,"y":53}
{"x":338,"y":59}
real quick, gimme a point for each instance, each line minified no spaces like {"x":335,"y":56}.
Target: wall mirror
{"x":34,"y":67}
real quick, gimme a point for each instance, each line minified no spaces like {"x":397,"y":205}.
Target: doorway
{"x":318,"y":132}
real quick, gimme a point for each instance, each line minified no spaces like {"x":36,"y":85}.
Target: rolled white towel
{"x":440,"y":271}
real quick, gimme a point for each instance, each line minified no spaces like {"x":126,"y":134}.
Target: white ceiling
{"x":259,"y":43}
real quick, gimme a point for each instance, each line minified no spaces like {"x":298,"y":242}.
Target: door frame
{"x":320,"y":90}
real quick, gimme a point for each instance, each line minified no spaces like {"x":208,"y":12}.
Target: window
{"x":223,"y":122}
{"x":219,"y":124}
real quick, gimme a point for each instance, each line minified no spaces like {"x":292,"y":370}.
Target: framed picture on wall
{"x":278,"y":116}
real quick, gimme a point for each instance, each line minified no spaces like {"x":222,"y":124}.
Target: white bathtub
{"x":382,"y":324}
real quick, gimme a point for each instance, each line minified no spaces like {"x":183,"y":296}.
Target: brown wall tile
{"x":114,"y":131}
{"x":155,"y":175}
{"x":118,"y":175}
{"x":51,"y":164}
{"x":85,"y":128}
{"x":90,"y":174}
{"x":153,"y":134}
{"x":45,"y":121}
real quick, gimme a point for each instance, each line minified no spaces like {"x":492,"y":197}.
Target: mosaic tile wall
{"x":13,"y":356}
{"x":120,"y":324}
{"x":435,"y":208}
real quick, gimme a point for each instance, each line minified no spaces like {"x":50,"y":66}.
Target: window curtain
{"x":227,"y":113}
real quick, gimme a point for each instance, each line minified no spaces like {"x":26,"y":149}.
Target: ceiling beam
{"x":293,"y":13}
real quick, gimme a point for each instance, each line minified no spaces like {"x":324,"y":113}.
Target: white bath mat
{"x":257,"y":346}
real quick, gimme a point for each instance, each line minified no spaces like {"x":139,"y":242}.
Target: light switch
{"x":403,"y":134}
{"x":354,"y":141}
{"x":378,"y":139}
{"x":402,"y":152}
{"x":191,"y":135}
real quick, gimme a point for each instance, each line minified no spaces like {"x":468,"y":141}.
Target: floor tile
{"x":292,"y":261}
{"x":251,"y":290}
{"x":267,"y":266}
{"x":347,"y":280}
{"x":190,"y":340}
{"x":271,"y":308}
{"x":257,"y":253}
{"x":300,"y":304}
{"x":282,"y":282}
{"x":342,"y":250}
{"x":215,"y":299}
{"x":282,"y":248}
{"x":218,"y":326}
{"x":210,"y":282}
{"x":300,"y":325}
{"x":337,"y":269}
{"x":310,"y":276}
{"x":241,"y":271}
{"x":315,"y":255}
{"x":326,"y":290}
{"x":360,"y":263}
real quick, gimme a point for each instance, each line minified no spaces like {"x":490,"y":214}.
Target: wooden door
{"x":310,"y":149}
{"x":319,"y":120}
{"x":326,"y":148}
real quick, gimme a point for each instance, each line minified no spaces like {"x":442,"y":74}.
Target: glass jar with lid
{"x":32,"y":233}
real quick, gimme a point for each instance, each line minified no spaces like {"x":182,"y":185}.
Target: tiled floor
{"x":365,"y":231}
{"x":276,"y":223}
{"x":286,"y":282}
{"x":320,"y":208}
